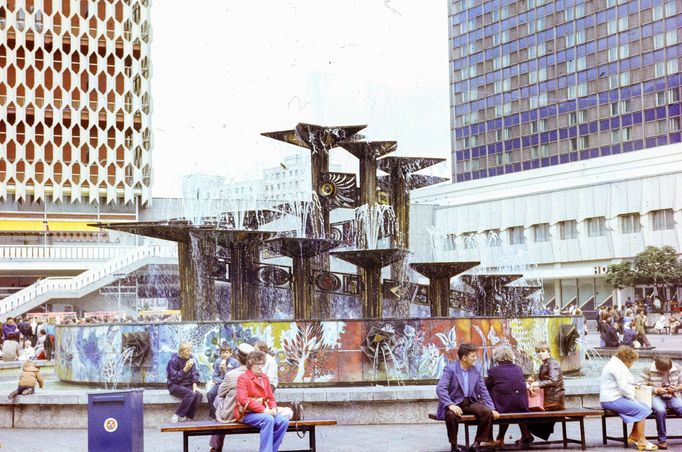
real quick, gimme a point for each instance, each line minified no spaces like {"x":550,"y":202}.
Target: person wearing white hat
{"x":227,"y":395}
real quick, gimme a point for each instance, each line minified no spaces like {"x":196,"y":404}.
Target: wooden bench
{"x":210,"y":427}
{"x":536,"y":417}
{"x":624,"y":438}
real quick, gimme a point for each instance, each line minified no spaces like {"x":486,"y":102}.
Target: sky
{"x":225,"y":71}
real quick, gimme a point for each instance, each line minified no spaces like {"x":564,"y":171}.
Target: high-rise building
{"x":75,"y":134}
{"x":75,"y":101}
{"x":538,"y":83}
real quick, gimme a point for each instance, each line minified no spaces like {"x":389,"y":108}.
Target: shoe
{"x":175,"y":419}
{"x":662,"y":445}
{"x":476,"y":447}
{"x":524,"y":441}
{"x":647,"y":446}
{"x":632,"y":441}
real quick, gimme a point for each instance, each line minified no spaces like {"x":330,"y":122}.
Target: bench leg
{"x":466,"y":434}
{"x":625,"y":434}
{"x":185,"y":442}
{"x":582,"y":433}
{"x":603,"y":430}
{"x":563,"y":431}
{"x":311,"y":439}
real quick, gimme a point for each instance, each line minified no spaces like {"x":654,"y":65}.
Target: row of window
{"x":595,"y":227}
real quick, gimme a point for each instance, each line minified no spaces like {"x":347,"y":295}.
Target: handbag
{"x":243,"y":409}
{"x":643,"y":395}
{"x":536,"y":400}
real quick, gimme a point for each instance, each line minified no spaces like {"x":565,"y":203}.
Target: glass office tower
{"x":539,"y":83}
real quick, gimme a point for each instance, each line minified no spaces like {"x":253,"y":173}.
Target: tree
{"x":620,"y":276}
{"x":658,"y":267}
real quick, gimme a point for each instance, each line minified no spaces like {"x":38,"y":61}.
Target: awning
{"x":42,"y":226}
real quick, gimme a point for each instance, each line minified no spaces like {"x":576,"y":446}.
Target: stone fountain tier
{"x":437,"y":270}
{"x":406,"y":165}
{"x":301,"y":250}
{"x":369,"y":259}
{"x":301,"y":247}
{"x":372,"y":261}
{"x":412,"y":182}
{"x":171,"y":230}
{"x":439,"y":274}
{"x":369,"y":149}
{"x":315,"y":137}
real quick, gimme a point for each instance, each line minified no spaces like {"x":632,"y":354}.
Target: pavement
{"x":394,"y":438}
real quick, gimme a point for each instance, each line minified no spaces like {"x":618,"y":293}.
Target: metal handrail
{"x":60,"y":284}
{"x":61,"y":252}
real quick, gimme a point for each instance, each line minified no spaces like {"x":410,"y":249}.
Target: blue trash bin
{"x":116,"y":421}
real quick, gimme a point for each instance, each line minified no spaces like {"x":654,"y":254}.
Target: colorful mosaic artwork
{"x":308,"y":353}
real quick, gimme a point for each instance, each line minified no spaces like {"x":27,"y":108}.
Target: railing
{"x":60,"y":252}
{"x":69,"y":285}
{"x":607,"y":301}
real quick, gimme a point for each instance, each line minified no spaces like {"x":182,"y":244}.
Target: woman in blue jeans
{"x":617,"y":393}
{"x":256,"y":404}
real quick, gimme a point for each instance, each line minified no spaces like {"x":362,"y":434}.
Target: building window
{"x":662,"y":219}
{"x":629,"y":223}
{"x":516,"y":235}
{"x":596,"y":226}
{"x":541,"y":232}
{"x":568,"y":229}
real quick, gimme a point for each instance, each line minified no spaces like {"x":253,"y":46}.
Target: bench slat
{"x":195,"y":426}
{"x":577,"y":412}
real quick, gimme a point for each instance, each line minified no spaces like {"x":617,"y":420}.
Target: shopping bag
{"x":536,"y":400}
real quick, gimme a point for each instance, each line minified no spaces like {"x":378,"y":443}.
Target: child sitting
{"x":27,"y":352}
{"x":30,"y":376}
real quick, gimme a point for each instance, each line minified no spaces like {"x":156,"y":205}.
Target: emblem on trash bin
{"x":110,"y":425}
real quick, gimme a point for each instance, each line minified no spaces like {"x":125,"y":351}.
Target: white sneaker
{"x":175,"y":419}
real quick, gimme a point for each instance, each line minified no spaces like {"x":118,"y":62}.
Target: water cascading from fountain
{"x":372,"y":223}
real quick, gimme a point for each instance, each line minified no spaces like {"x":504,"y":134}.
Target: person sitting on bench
{"x":665,"y":377}
{"x":256,"y":405}
{"x":183,"y":377}
{"x":617,"y":393}
{"x":461,"y":390}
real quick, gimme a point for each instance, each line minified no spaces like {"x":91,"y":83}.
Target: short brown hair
{"x":627,"y":354}
{"x":663,"y":363}
{"x":255,"y":357}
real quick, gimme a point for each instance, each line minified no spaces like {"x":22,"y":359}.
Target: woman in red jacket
{"x":256,"y":404}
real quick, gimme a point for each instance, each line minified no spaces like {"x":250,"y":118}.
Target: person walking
{"x":182,"y":381}
{"x":640,"y":329}
{"x":461,"y":390}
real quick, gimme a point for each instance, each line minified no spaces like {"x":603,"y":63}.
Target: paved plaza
{"x":387,"y":438}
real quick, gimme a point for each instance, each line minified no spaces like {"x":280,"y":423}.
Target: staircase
{"x":72,"y":287}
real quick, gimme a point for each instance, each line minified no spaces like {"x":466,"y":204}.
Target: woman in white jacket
{"x":617,"y":394}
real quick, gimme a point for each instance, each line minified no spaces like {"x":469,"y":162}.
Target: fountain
{"x":312,"y":346}
{"x":439,"y":274}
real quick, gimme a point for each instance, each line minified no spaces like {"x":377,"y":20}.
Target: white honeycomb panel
{"x":75,"y":102}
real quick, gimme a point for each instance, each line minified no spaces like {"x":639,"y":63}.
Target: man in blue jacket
{"x":461,"y":390}
{"x":183,"y":377}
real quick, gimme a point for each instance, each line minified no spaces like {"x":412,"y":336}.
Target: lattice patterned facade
{"x":75,"y":102}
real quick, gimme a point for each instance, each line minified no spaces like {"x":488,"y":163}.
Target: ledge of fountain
{"x":301,"y":246}
{"x":362,"y":405}
{"x":442,"y":269}
{"x":371,"y":258}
